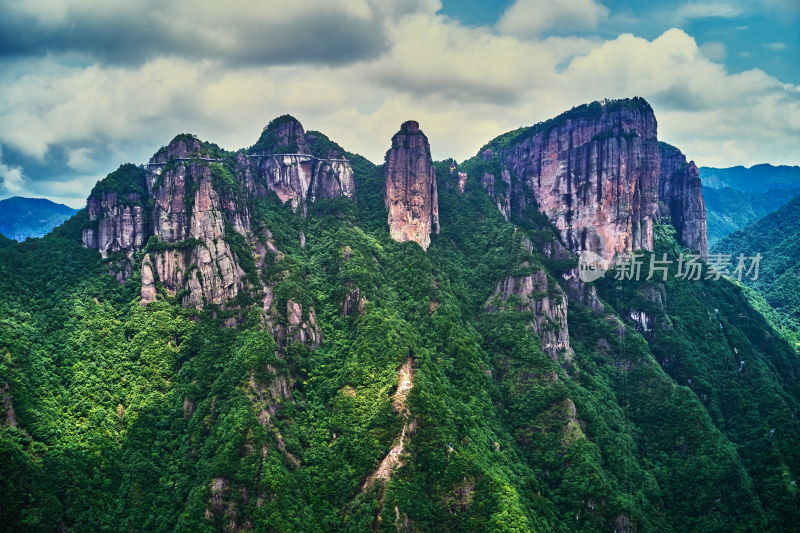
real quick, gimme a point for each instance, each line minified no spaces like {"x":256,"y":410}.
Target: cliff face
{"x":547,"y":301}
{"x":681,"y":198}
{"x":189,"y":221}
{"x":594,"y":172}
{"x":410,"y":187}
{"x":282,"y":161}
{"x":600,"y":175}
{"x":120,"y":223}
{"x":178,"y":218}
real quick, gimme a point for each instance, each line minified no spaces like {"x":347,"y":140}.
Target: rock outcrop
{"x":547,"y":301}
{"x":593,"y":171}
{"x":191,"y":254}
{"x":282,"y":161}
{"x":600,"y":175}
{"x":680,"y":195}
{"x":410,"y":193}
{"x":117,"y":213}
{"x":184,"y":219}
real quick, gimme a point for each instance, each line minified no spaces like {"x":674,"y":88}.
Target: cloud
{"x":237,"y":31}
{"x":11,"y":178}
{"x":68,"y":121}
{"x":715,"y":117}
{"x":531,"y":18}
{"x":777,"y":46}
{"x":699,"y":10}
{"x":714,"y":51}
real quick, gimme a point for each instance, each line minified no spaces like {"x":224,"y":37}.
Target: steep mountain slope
{"x":777,"y":238}
{"x":21,"y":218}
{"x":221,"y":347}
{"x":728,"y":209}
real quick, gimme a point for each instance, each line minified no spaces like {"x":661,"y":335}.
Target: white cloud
{"x":530,"y":18}
{"x":11,"y":178}
{"x":715,"y":51}
{"x":698,"y":10}
{"x":465,"y":86}
{"x":776,"y":46}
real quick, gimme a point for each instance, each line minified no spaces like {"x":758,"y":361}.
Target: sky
{"x":87,"y":85}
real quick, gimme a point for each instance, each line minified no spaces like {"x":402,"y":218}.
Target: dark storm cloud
{"x":243,"y":34}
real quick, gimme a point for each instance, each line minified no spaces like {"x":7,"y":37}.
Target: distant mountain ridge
{"x":21,"y":217}
{"x":729,"y":209}
{"x":758,"y":178}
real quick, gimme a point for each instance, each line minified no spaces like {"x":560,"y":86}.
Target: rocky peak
{"x":182,"y":146}
{"x":410,"y":192}
{"x":593,"y":171}
{"x":283,"y":135}
{"x":681,"y":198}
{"x":186,"y":214}
{"x":116,"y":209}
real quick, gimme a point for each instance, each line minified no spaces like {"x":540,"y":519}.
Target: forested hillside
{"x":252,"y":350}
{"x":730,"y":209}
{"x":758,"y":178}
{"x":777,"y":238}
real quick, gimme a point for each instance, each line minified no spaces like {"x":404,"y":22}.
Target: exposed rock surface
{"x":594,"y":172}
{"x":120,"y":223}
{"x":178,"y":218}
{"x":600,"y":175}
{"x":548,"y":303}
{"x":681,"y":198}
{"x":189,"y":221}
{"x":410,"y":187}
{"x":282,"y":161}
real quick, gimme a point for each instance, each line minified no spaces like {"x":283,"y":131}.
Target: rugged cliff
{"x":369,"y":385}
{"x":410,"y":192}
{"x":282,"y":161}
{"x":184,"y":219}
{"x":593,"y":171}
{"x":680,"y":195}
{"x":596,"y":171}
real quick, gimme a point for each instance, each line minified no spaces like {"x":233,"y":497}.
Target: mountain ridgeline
{"x":291,"y":338}
{"x":21,"y":218}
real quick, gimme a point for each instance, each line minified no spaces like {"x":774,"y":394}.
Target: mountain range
{"x":292,"y":338}
{"x":21,"y":218}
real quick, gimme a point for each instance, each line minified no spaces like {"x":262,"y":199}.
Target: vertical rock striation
{"x":593,"y":171}
{"x":283,"y":161}
{"x":681,"y":198}
{"x":600,"y":175}
{"x":180,"y":218}
{"x":410,"y":192}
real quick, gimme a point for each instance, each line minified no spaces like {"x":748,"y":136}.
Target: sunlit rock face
{"x":410,"y":187}
{"x":594,"y":172}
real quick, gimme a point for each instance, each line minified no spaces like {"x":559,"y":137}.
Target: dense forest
{"x":776,"y":237}
{"x":729,"y":209}
{"x":674,"y":407}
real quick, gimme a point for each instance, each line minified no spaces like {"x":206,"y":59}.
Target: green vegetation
{"x":121,"y":417}
{"x":127,"y":179}
{"x":758,"y":178}
{"x":728,"y":210}
{"x":269,"y":142}
{"x":503,"y":142}
{"x":777,"y":238}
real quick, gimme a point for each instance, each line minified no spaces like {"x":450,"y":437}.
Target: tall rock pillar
{"x":410,"y":187}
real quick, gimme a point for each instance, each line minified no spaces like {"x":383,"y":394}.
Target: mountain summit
{"x":292,"y":338}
